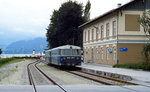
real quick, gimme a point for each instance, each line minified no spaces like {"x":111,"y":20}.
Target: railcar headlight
{"x":64,"y":58}
{"x":77,"y":58}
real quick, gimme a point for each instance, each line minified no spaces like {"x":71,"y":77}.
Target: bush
{"x":5,"y":60}
{"x":144,"y":66}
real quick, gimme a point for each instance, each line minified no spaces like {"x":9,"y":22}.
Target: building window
{"x":92,"y":34}
{"x":97,"y":33}
{"x":107,"y":30}
{"x":92,"y":58}
{"x":114,"y":54}
{"x":85,"y":36}
{"x":131,"y":22}
{"x":102,"y":31}
{"x":107,"y":54}
{"x":88,"y":35}
{"x":102,"y":54}
{"x":97,"y":53}
{"x":114,"y":28}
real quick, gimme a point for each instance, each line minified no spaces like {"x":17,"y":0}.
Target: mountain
{"x":26,"y":46}
{"x":2,"y":46}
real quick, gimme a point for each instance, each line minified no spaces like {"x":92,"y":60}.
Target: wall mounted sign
{"x":109,"y":50}
{"x":123,"y":49}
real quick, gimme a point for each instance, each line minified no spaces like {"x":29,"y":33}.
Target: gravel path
{"x":15,"y":74}
{"x":64,"y":78}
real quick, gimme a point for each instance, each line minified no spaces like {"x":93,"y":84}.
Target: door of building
{"x":92,"y":57}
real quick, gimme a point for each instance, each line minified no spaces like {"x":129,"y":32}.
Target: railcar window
{"x":75,"y":52}
{"x":60,"y":52}
{"x":67,"y":52}
{"x":55,"y":52}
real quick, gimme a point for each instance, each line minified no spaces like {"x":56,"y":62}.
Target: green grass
{"x":5,"y":61}
{"x":144,"y":66}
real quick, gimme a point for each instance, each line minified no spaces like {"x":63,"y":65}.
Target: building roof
{"x":109,"y":12}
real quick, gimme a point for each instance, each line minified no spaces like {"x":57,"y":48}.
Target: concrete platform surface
{"x":75,"y":88}
{"x":47,"y":88}
{"x":14,"y":88}
{"x":138,"y":76}
{"x":86,"y":88}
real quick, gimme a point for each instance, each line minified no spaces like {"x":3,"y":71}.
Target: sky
{"x":28,"y":19}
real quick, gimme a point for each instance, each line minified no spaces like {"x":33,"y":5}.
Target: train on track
{"x":67,"y":55}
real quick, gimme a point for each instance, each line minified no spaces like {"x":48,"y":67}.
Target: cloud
{"x":29,"y":32}
{"x":39,"y":21}
{"x":29,"y":18}
{"x":17,"y":29}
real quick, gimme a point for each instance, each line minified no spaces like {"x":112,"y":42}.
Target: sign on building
{"x":123,"y":49}
{"x":109,"y":50}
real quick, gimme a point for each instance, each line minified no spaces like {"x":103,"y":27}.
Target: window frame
{"x":114,"y":27}
{"x":107,"y":30}
{"x":102,"y":31}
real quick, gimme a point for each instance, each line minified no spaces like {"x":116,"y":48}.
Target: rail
{"x":50,"y":79}
{"x":30,"y":76}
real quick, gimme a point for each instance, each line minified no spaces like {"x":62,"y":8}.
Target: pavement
{"x":73,"y":88}
{"x":138,"y":76}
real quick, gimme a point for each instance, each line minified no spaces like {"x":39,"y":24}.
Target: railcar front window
{"x":75,"y":52}
{"x":67,"y":52}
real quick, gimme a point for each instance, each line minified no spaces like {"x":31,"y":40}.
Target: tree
{"x":52,"y":29}
{"x":70,"y":17}
{"x":146,"y":52}
{"x":63,"y":28}
{"x":144,"y":21}
{"x":87,"y":11}
{"x":0,"y":51}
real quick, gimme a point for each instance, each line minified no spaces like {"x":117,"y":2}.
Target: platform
{"x":136,"y":76}
{"x":75,"y":88}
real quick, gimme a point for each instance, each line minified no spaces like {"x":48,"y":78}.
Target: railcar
{"x":68,"y":55}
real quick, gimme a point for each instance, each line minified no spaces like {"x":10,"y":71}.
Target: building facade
{"x":116,"y":37}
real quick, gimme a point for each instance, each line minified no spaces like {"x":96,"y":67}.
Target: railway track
{"x":100,"y":79}
{"x":31,"y":79}
{"x":31,"y":82}
{"x":103,"y":80}
{"x":111,"y":81}
{"x":96,"y":78}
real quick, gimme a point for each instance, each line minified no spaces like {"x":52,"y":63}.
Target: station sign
{"x":123,"y":49}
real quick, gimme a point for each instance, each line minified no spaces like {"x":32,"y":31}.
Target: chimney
{"x":119,"y":5}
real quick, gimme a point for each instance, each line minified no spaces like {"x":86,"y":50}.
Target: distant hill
{"x":26,"y":46}
{"x":2,"y":46}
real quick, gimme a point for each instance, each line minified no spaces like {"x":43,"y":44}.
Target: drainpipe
{"x":117,"y":37}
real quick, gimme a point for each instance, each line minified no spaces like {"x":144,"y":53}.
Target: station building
{"x":116,"y":37}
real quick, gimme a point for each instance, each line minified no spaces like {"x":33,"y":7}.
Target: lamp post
{"x":41,"y":46}
{"x":33,"y":52}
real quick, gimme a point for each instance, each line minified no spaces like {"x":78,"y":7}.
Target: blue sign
{"x":109,"y":50}
{"x":123,"y":49}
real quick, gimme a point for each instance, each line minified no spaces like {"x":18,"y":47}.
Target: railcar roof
{"x":65,"y":47}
